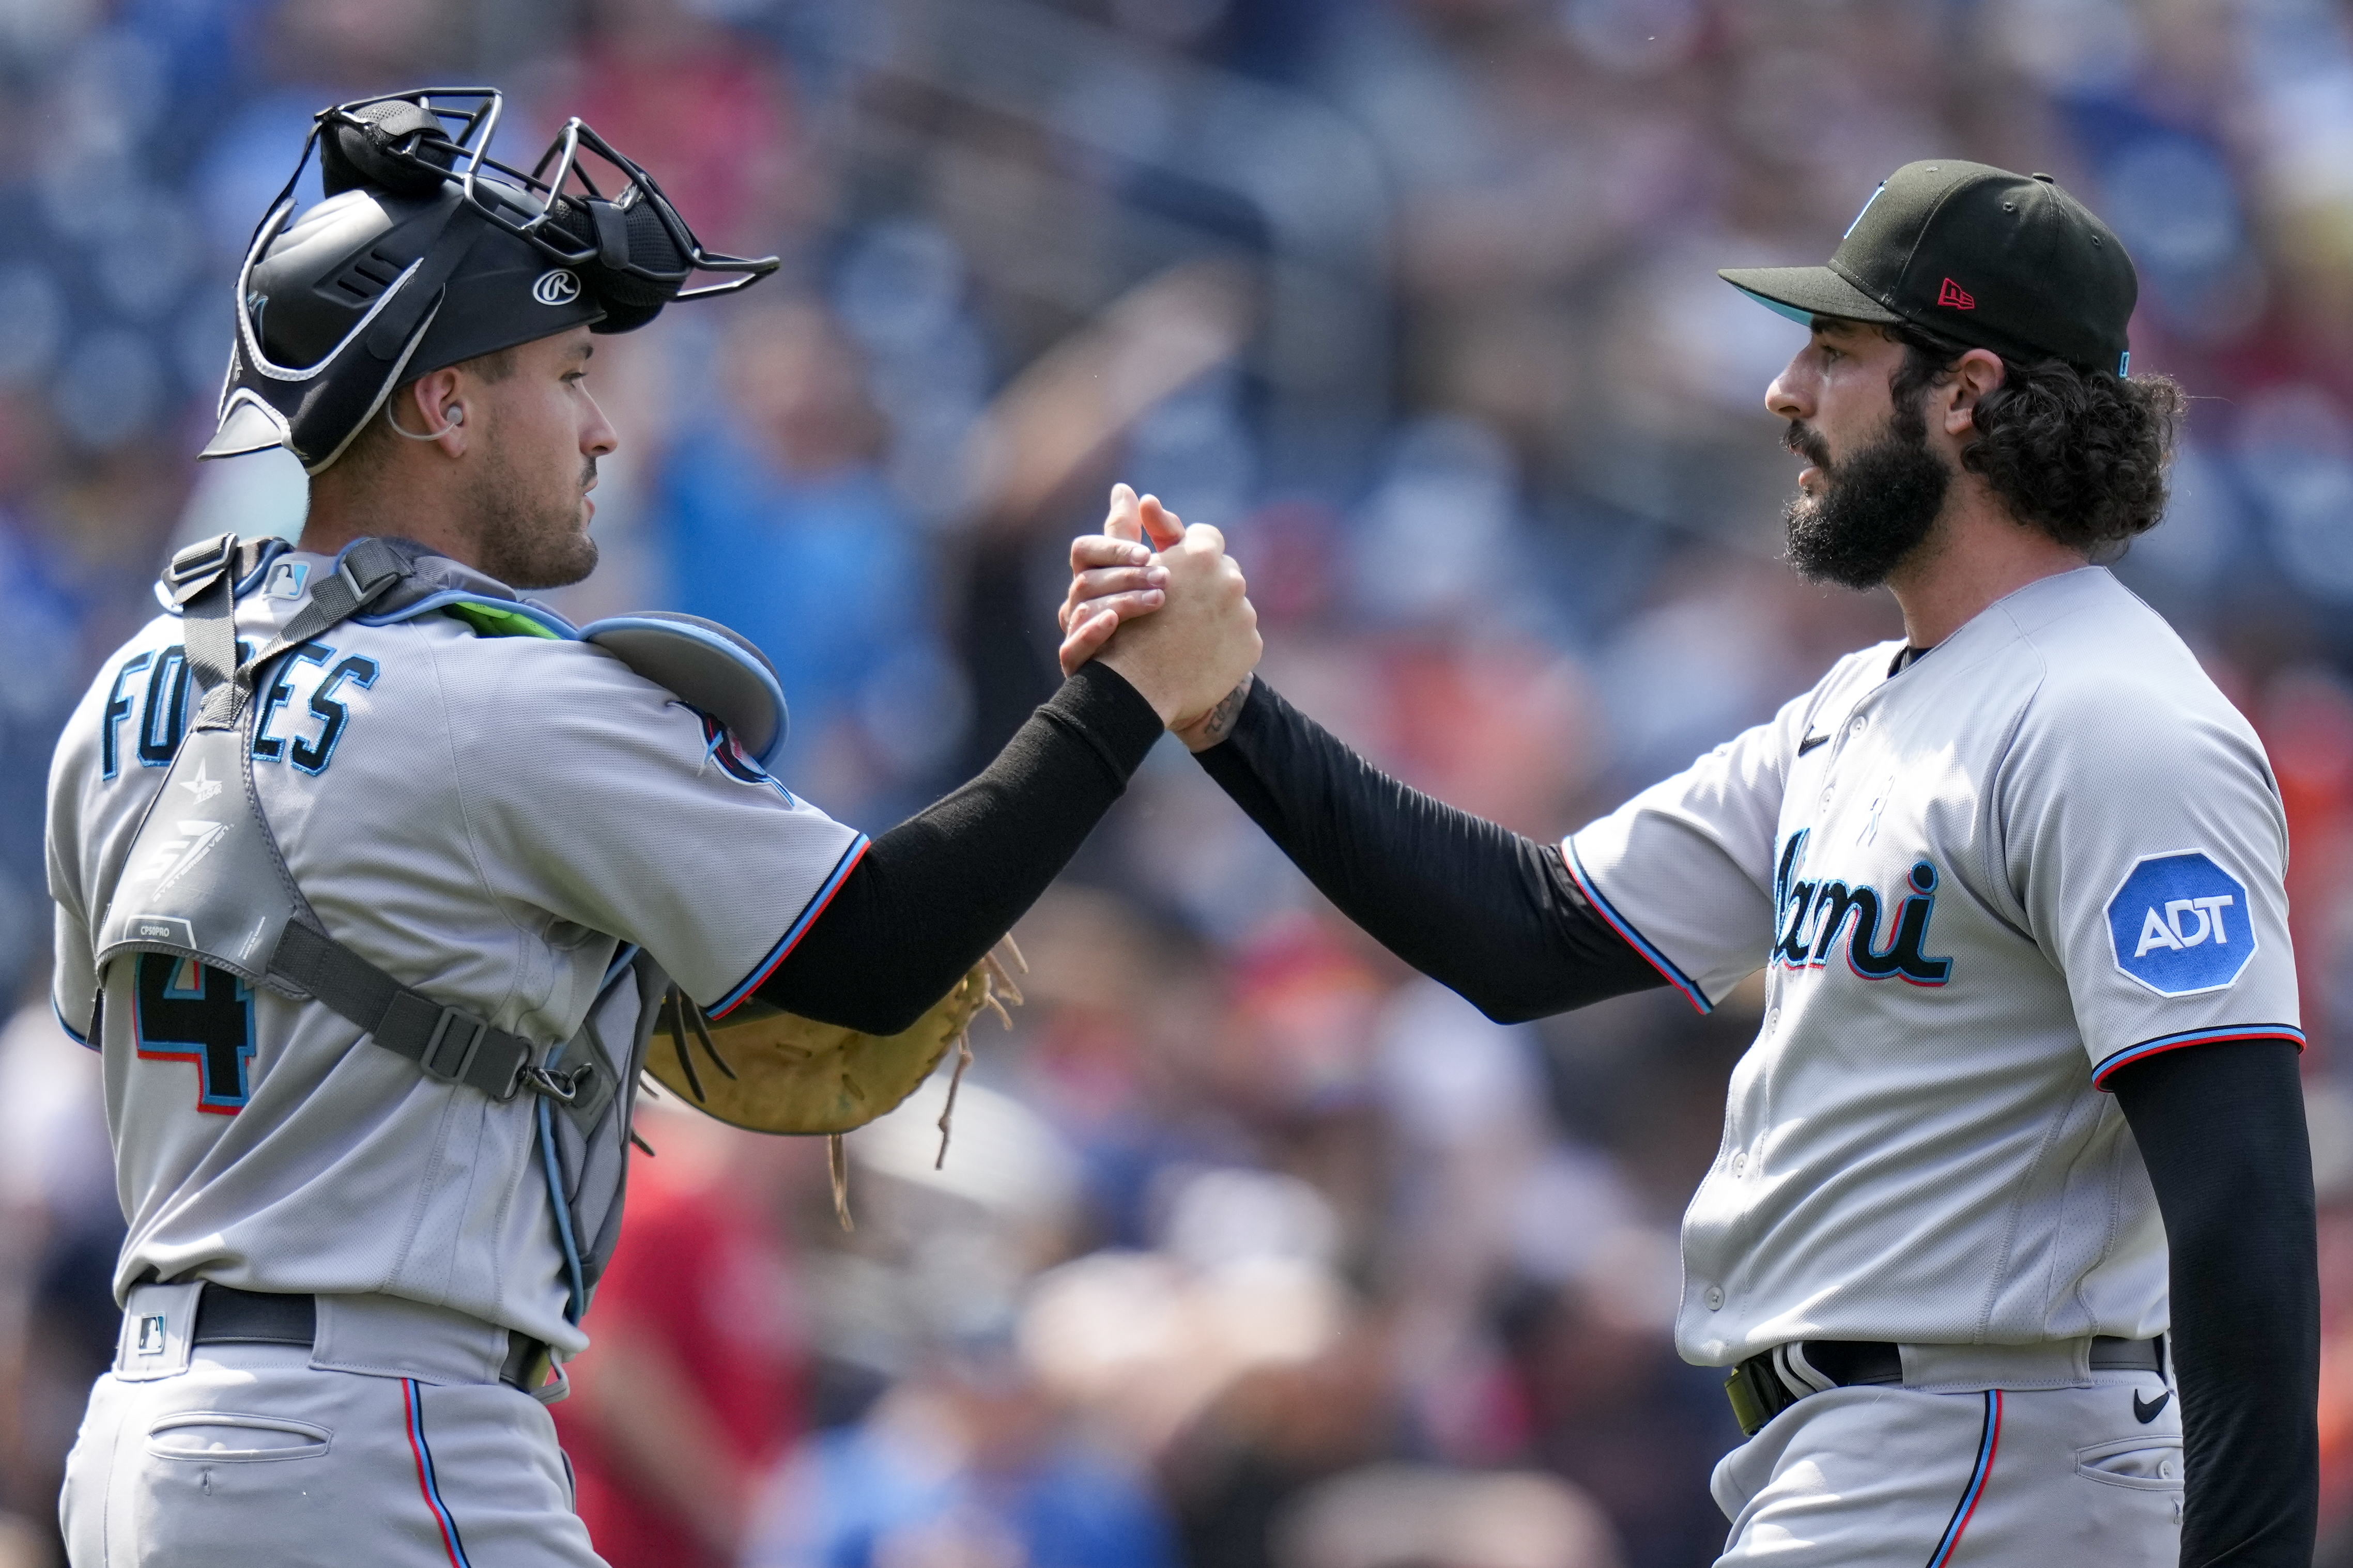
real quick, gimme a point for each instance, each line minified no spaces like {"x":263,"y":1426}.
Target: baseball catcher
{"x":375,"y":880}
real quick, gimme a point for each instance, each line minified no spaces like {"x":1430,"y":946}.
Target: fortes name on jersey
{"x":1815,"y":915}
{"x":299,"y":719}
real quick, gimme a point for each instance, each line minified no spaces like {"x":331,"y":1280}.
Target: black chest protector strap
{"x":203,"y":582}
{"x":445,"y":1043}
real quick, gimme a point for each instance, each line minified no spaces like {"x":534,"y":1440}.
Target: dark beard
{"x":1874,"y":510}
{"x":529,"y":540}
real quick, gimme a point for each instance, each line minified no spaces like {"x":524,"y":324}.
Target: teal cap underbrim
{"x":1802,"y":293}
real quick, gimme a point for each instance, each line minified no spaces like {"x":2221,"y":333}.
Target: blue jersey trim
{"x":2164,"y":1043}
{"x":563,"y":629}
{"x":785,"y":945}
{"x":76,"y":1035}
{"x":1634,"y":939}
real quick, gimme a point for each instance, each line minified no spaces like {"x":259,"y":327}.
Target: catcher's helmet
{"x":425,"y":252}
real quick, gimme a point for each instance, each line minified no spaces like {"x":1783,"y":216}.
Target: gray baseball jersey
{"x":491,"y":819}
{"x":1977,"y":886}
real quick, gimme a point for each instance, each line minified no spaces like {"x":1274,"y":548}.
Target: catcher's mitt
{"x":768,"y":1071}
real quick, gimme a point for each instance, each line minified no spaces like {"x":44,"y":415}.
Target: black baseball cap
{"x":1991,"y":259}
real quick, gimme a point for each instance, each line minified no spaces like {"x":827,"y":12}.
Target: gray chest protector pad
{"x":205,"y":879}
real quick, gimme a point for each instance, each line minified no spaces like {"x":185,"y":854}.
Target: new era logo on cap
{"x":1952,"y":295}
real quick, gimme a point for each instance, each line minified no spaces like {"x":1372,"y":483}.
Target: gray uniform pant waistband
{"x":386,"y":1336}
{"x":1771,"y":1382}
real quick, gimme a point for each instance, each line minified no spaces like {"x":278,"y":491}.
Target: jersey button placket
{"x":1855,"y":726}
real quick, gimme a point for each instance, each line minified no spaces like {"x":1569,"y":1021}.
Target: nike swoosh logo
{"x":1810,"y":741}
{"x":2148,"y":1413}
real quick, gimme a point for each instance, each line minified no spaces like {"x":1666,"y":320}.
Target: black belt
{"x":1760,"y":1389}
{"x":228,"y":1316}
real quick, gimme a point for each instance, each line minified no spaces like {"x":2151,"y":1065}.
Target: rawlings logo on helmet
{"x":556,"y":286}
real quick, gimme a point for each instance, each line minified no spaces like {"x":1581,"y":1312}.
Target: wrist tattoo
{"x":1221,"y":721}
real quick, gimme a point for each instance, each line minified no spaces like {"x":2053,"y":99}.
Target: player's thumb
{"x":1160,"y":523}
{"x":1122,"y":523}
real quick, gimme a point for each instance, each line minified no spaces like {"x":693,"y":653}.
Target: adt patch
{"x":2181,"y":925}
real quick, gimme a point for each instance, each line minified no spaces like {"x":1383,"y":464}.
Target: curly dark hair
{"x":2080,"y":455}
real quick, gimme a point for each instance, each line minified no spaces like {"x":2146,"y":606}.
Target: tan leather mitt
{"x":768,"y":1071}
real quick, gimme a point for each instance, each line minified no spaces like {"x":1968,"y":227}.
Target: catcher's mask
{"x":426,"y":251}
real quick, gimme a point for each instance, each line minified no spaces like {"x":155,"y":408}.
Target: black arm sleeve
{"x":1476,"y":907}
{"x":2220,"y":1128}
{"x":936,"y":892}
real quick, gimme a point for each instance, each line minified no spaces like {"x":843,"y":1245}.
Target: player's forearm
{"x":2220,"y":1128}
{"x":936,"y":892}
{"x":1481,"y":910}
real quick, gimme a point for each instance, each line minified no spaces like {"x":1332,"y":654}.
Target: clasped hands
{"x":1166,"y":606}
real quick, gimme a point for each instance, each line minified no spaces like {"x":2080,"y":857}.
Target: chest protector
{"x":204,"y":878}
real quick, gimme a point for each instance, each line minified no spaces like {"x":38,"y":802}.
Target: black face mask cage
{"x":453,"y":143}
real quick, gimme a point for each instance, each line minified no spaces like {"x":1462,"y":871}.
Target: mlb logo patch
{"x":288,"y":579}
{"x":2180,"y":924}
{"x":150,"y":1334}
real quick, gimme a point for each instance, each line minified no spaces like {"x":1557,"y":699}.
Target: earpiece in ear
{"x":457,"y":417}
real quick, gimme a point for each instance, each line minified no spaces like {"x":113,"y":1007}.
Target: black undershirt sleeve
{"x":2220,"y":1128}
{"x":934,"y":893}
{"x":1478,"y":908}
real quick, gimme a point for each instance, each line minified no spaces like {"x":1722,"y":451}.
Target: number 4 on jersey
{"x":189,"y":1012}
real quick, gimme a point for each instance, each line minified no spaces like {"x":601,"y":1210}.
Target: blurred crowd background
{"x":1253,"y":1249}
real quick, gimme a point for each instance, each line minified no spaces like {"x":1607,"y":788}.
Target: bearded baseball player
{"x":372,"y":878}
{"x":2009,"y":1246}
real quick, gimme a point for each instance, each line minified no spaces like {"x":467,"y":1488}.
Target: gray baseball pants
{"x":249,"y":1456}
{"x":1901,"y":1478}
